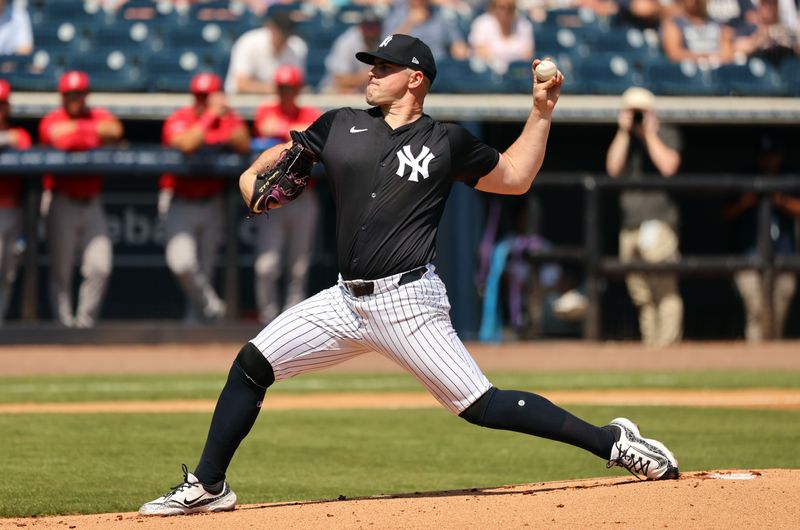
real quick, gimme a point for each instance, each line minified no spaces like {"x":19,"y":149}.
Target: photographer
{"x":642,"y":147}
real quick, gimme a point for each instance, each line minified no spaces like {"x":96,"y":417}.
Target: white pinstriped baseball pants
{"x":409,"y":324}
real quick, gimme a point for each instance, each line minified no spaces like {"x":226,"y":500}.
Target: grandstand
{"x":154,"y":46}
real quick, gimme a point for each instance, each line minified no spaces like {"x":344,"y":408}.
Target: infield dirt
{"x":708,"y":500}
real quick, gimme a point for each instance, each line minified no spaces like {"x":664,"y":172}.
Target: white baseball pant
{"x":284,"y":237}
{"x":73,"y":226}
{"x":10,"y":230}
{"x":409,"y":324}
{"x":194,"y":233}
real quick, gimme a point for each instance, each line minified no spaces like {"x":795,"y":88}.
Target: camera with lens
{"x":638,"y":116}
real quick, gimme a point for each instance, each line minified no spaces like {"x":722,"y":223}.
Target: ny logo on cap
{"x":386,"y":41}
{"x":418,"y":164}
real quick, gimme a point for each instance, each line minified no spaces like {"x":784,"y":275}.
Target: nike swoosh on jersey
{"x":353,"y":130}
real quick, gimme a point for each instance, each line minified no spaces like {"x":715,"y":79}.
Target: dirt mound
{"x":722,"y":499}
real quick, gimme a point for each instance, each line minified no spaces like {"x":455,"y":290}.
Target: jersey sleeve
{"x":23,"y":139}
{"x":471,"y":158}
{"x":174,"y":126}
{"x":316,"y":136}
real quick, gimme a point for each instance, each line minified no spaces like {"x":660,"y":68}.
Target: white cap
{"x":638,"y":98}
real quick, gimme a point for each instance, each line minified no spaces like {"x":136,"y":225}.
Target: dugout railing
{"x":153,"y":160}
{"x":599,"y":267}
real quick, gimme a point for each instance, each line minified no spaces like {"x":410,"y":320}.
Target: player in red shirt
{"x":71,"y":203}
{"x":193,"y":207}
{"x":285,"y":238}
{"x":10,"y":201}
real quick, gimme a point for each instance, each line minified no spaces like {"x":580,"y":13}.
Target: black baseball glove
{"x":282,"y":182}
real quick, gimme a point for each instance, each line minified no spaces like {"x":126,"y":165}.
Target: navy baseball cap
{"x":404,"y":50}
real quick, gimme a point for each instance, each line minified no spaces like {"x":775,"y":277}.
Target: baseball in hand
{"x":545,"y":70}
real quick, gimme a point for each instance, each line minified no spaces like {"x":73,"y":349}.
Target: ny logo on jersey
{"x":417,"y":164}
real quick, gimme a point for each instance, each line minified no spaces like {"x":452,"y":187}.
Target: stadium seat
{"x":112,"y":70}
{"x":519,"y":77}
{"x":40,"y":75}
{"x":570,"y":17}
{"x":678,"y":79}
{"x":790,"y":74}
{"x":755,"y":78}
{"x":75,"y":11}
{"x":172,"y":72}
{"x":555,"y":41}
{"x":66,"y":36}
{"x":201,"y":36}
{"x":133,"y":36}
{"x":466,"y":77}
{"x":628,"y":42}
{"x":609,"y":74}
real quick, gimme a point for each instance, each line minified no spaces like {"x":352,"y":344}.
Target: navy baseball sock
{"x":514,"y":410}
{"x":236,"y":412}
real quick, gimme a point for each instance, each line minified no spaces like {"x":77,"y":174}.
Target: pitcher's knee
{"x":255,"y":365}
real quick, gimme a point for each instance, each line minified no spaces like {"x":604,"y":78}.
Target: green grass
{"x":84,"y":463}
{"x":207,"y":386}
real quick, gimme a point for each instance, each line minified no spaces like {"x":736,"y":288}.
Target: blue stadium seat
{"x":570,"y":17}
{"x":628,"y":42}
{"x":320,"y":32}
{"x":133,"y":36}
{"x":40,"y":75}
{"x":790,"y":74}
{"x":609,"y":74}
{"x":172,"y":72}
{"x":755,"y":78}
{"x":112,"y":70}
{"x":462,"y":77}
{"x":202,"y":36}
{"x":315,"y":67}
{"x":555,"y":41}
{"x":679,"y":79}
{"x":67,"y":36}
{"x":76,"y":11}
{"x":519,"y":77}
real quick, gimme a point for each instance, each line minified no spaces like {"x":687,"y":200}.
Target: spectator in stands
{"x":16,"y":36}
{"x":258,"y":53}
{"x":285,"y":239}
{"x":419,"y":19}
{"x":501,"y":36}
{"x":344,"y":73}
{"x":193,"y":207}
{"x":642,"y":147}
{"x":642,"y":14}
{"x":785,"y":212}
{"x":733,"y":13}
{"x":767,"y":37}
{"x":10,"y":202}
{"x":690,"y":35}
{"x":71,"y":204}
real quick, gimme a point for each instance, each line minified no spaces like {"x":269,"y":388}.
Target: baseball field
{"x":89,"y":433}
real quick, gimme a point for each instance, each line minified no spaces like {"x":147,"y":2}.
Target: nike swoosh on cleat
{"x":188,"y":502}
{"x":353,"y":130}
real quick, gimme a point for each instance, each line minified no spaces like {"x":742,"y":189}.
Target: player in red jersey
{"x":193,"y":207}
{"x":10,"y":201}
{"x":285,"y":238}
{"x":71,"y":203}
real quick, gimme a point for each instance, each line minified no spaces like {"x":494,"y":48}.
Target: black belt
{"x":359,"y":288}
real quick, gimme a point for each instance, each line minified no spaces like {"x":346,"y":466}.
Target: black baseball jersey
{"x":390,"y":186}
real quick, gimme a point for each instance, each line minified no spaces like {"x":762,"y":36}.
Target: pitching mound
{"x":722,"y":499}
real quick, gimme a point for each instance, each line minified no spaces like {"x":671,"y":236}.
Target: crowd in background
{"x":489,"y":34}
